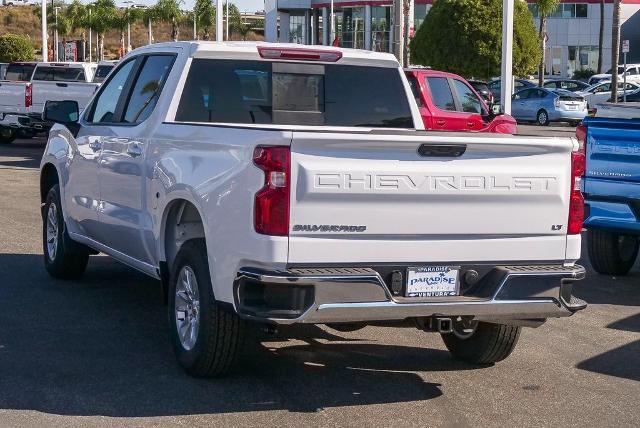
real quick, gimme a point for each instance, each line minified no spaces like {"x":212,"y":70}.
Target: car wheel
{"x":63,"y":258}
{"x":612,"y":253}
{"x":207,"y":340}
{"x":26,"y":134}
{"x":478,"y":342}
{"x":542,"y":118}
{"x":7,"y":135}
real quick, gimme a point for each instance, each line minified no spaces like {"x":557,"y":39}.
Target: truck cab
{"x":447,"y":102}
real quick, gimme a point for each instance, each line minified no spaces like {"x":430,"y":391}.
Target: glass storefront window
{"x":582,"y":57}
{"x":564,"y":10}
{"x":351,"y":27}
{"x":296,"y":32}
{"x":380,"y":28}
{"x":419,"y":14}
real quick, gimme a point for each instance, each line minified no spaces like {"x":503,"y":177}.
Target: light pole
{"x":90,"y":36}
{"x":195,"y":29}
{"x":45,"y":47}
{"x":507,"y":55}
{"x":219,"y":32}
{"x":332,"y":34}
{"x":227,"y":13}
{"x":55,"y":48}
{"x":128,"y":11}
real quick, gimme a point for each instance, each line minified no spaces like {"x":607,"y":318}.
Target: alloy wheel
{"x":187,"y":308}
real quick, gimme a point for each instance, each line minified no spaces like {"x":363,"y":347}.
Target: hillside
{"x":21,"y":20}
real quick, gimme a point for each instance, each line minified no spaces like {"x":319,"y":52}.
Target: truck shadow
{"x":22,"y":153}
{"x":99,"y":346}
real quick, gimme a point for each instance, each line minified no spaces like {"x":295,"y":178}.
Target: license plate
{"x":432,"y":281}
{"x":573,"y":107}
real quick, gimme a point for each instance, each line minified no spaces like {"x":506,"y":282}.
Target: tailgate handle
{"x":62,"y":85}
{"x":442,"y":150}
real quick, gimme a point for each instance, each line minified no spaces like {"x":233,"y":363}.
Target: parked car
{"x":568,"y":84}
{"x":256,"y":201}
{"x":482,"y":88}
{"x":632,"y":72}
{"x":103,"y":70}
{"x":612,"y":187}
{"x":632,"y":97}
{"x":544,"y":106}
{"x":448,"y":103}
{"x":495,"y":86}
{"x":601,"y":92}
{"x":31,"y":85}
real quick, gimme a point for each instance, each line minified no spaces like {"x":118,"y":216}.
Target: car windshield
{"x":620,"y":70}
{"x":592,"y":87}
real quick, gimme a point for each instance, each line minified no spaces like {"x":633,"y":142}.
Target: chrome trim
{"x":363,"y":296}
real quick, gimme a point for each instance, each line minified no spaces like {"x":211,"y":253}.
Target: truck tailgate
{"x":12,"y":97}
{"x":61,"y":91}
{"x":409,"y":197}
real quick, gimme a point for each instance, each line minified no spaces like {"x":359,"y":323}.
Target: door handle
{"x":62,"y":85}
{"x":440,"y":122}
{"x":471,"y":124}
{"x":134,"y":150}
{"x":95,"y":145}
{"x":442,"y":150}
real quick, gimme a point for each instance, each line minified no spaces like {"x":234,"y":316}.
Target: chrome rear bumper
{"x":334,"y":295}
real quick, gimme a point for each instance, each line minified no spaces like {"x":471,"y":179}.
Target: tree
{"x":121,"y":21}
{"x":15,"y":48}
{"x":601,"y":37}
{"x":615,"y":50}
{"x":169,"y":11}
{"x":102,"y":18}
{"x":465,"y":37}
{"x":234,"y":20}
{"x":545,"y":8}
{"x":205,"y":17}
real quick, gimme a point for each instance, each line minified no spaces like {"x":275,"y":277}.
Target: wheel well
{"x":48,"y":179}
{"x":182,"y":224}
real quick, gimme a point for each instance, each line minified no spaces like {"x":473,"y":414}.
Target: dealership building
{"x":573,"y":29}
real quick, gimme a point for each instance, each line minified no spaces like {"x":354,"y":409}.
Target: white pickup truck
{"x":22,"y":98}
{"x":274,"y":184}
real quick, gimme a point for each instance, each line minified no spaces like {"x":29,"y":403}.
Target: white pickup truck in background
{"x":274,"y":184}
{"x":28,"y":86}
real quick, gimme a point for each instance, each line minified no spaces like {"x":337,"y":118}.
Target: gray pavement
{"x":95,"y":352}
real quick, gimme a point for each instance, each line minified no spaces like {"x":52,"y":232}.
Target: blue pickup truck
{"x":612,"y":187}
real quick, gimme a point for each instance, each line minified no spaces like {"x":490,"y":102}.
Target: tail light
{"x":578,"y":167}
{"x":556,"y":102}
{"x":271,"y":205}
{"x":28,"y":95}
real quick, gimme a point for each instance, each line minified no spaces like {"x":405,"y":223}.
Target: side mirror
{"x":63,"y":112}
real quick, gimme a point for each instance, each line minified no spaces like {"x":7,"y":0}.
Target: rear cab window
{"x":441,"y":93}
{"x":59,"y":74}
{"x":19,"y":72}
{"x":290,"y":93}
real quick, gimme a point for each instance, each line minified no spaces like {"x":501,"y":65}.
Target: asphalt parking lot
{"x":96,"y":352}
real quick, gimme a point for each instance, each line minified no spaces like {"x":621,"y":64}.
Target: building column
{"x":284,"y":27}
{"x":306,"y":28}
{"x":325,"y":26}
{"x":270,"y":21}
{"x":367,"y":27}
{"x":312,"y":26}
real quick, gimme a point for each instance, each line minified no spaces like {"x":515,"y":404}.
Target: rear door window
{"x":261,"y":92}
{"x":441,"y":93}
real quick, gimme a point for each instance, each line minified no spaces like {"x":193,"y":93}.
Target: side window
{"x":147,"y":88}
{"x":415,"y":88}
{"x":550,"y":85}
{"x":104,"y":106}
{"x":540,"y":93}
{"x":468,"y":99}
{"x":523,"y":95}
{"x":632,"y":71}
{"x":441,"y":93}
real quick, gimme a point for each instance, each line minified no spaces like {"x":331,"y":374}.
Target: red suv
{"x":448,"y":103}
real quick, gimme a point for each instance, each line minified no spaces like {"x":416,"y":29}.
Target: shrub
{"x":583,"y":74}
{"x":15,"y":48}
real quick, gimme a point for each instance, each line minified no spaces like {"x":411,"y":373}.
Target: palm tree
{"x":122,"y":20}
{"x":169,"y":11}
{"x":102,"y":18}
{"x":545,"y":8}
{"x":615,"y":50}
{"x":601,"y":37}
{"x":205,"y":17}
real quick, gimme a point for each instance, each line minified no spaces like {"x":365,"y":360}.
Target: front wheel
{"x":542,"y":118}
{"x":478,"y":342}
{"x":7,"y":135}
{"x":207,"y":340}
{"x":612,"y":253}
{"x":63,"y":258}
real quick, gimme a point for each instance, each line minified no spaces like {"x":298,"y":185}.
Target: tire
{"x":63,"y":258}
{"x":488,"y":343}
{"x":542,"y":118}
{"x":215,"y":347}
{"x":26,"y":134}
{"x":7,"y":135}
{"x":611,"y":253}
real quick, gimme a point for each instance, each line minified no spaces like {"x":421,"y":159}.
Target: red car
{"x":448,"y":102}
